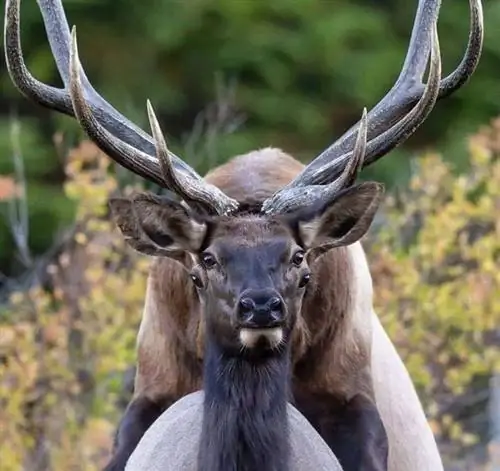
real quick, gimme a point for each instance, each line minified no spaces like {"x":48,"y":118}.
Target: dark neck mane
{"x":245,"y":422}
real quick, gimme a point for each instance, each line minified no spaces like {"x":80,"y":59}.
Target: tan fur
{"x":256,"y":175}
{"x":168,"y":327}
{"x":412,"y":444}
{"x":335,"y":325}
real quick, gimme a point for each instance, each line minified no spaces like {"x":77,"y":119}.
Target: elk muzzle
{"x":261,"y":314}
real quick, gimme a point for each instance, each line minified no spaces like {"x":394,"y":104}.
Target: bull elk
{"x":260,"y":232}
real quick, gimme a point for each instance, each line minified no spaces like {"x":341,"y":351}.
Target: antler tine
{"x":292,"y":197}
{"x":192,"y":190}
{"x":389,"y":139}
{"x":354,"y":165}
{"x":57,"y":99}
{"x":205,"y":194}
{"x":299,"y":197}
{"x":405,"y":93}
{"x":472,"y":54}
{"x":169,"y":175}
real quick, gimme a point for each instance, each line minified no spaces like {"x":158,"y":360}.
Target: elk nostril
{"x":247,"y":304}
{"x":275,"y":303}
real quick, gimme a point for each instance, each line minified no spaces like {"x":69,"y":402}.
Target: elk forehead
{"x":249,"y":230}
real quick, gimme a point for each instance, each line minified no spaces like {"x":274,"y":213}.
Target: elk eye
{"x":298,"y":257}
{"x":208,"y":260}
{"x":196,"y":280}
{"x":304,"y":280}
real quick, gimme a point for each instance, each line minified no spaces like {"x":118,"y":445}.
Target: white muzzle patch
{"x":249,"y":337}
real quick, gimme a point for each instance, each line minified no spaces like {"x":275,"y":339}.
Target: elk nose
{"x":260,"y":309}
{"x":247,"y":304}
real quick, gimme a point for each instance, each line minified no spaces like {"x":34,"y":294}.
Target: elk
{"x":347,"y":378}
{"x":250,"y":306}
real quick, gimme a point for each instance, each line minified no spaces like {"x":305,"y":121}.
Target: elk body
{"x":239,"y":230}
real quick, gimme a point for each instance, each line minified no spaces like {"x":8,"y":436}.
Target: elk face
{"x":250,"y":271}
{"x":251,"y":278}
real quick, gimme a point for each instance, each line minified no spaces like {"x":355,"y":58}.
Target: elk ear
{"x":344,"y":221}
{"x":157,"y":226}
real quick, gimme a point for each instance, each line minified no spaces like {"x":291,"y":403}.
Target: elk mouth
{"x":252,"y":337}
{"x":263,"y":327}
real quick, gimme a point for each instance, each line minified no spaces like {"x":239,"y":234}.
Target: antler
{"x":114,"y":134}
{"x":396,"y":117}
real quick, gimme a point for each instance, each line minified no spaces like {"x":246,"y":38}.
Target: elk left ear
{"x":157,"y":226}
{"x":344,"y":221}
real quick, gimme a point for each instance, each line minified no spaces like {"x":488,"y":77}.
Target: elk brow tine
{"x":209,"y":196}
{"x":384,"y":114}
{"x":297,"y":198}
{"x":355,"y":162}
{"x":168,"y":173}
{"x":59,"y":99}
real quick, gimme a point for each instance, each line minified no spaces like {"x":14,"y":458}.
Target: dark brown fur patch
{"x":353,"y":428}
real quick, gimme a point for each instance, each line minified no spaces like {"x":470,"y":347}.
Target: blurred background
{"x":226,"y":77}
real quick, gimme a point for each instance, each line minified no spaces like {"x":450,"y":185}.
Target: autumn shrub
{"x":436,"y":268}
{"x":65,"y":343}
{"x":63,"y":350}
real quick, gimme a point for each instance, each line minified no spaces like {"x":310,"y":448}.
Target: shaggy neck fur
{"x":245,"y":423}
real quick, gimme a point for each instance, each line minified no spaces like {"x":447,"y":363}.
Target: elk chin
{"x":271,"y":337}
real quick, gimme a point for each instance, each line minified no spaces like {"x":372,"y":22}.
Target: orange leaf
{"x":8,"y":189}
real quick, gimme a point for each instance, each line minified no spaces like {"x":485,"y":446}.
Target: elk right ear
{"x":157,"y":226}
{"x":344,"y":221}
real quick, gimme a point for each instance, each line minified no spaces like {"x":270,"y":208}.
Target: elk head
{"x":250,"y":270}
